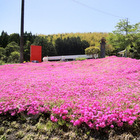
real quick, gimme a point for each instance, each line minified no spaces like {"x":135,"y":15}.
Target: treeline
{"x":57,"y":44}
{"x":10,"y":47}
{"x":72,"y":43}
{"x":67,"y":44}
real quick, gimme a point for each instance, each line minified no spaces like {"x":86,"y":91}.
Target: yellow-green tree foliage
{"x":92,"y":50}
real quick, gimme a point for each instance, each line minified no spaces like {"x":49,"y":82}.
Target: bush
{"x":109,"y":49}
{"x":2,"y":62}
{"x":11,"y":47}
{"x":92,"y":50}
{"x":14,"y":57}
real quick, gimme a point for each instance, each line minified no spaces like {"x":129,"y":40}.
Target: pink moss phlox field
{"x":98,"y":92}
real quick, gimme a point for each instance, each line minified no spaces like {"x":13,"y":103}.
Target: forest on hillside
{"x":72,"y":43}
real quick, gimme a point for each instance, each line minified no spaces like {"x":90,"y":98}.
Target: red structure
{"x":36,"y":53}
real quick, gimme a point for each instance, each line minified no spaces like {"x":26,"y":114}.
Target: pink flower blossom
{"x":64,"y":117}
{"x":112,"y":126}
{"x":77,"y":122}
{"x":98,"y":92}
{"x":53,"y":119}
{"x":130,"y":122}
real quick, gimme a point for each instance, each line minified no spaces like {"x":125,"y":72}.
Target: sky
{"x":67,"y":16}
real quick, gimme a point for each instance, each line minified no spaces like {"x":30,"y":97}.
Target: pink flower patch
{"x":98,"y":92}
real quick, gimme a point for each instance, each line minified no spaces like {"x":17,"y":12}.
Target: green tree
{"x":123,"y":27}
{"x":14,"y":57}
{"x":124,"y":36}
{"x":14,"y":37}
{"x":28,"y":41}
{"x":47,"y":48}
{"x":27,"y":51}
{"x":109,"y":49}
{"x":2,"y":54}
{"x":4,"y":39}
{"x":59,"y":46}
{"x":29,"y":37}
{"x":92,"y":50}
{"x":135,"y":48}
{"x":70,"y":46}
{"x":11,"y":47}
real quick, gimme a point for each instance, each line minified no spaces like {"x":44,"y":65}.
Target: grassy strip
{"x":41,"y":128}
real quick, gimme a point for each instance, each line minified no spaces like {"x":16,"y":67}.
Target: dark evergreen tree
{"x":70,"y":46}
{"x":4,"y":39}
{"x":14,"y":37}
{"x":47,"y":48}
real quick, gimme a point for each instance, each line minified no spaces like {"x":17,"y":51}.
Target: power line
{"x":95,"y":9}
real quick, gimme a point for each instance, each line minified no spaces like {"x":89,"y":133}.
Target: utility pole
{"x":22,"y":32}
{"x":126,"y":35}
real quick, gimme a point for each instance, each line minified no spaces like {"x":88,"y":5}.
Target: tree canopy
{"x":125,"y":36}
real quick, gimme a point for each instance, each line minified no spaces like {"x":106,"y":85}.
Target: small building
{"x":66,"y":57}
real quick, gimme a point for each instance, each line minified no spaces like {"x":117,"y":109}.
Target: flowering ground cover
{"x":97,"y":92}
